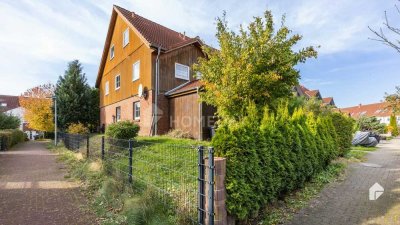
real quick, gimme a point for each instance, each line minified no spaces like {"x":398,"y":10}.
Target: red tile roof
{"x":376,"y":109}
{"x":186,"y":87}
{"x":313,"y":93}
{"x":11,"y":102}
{"x":156,"y":34}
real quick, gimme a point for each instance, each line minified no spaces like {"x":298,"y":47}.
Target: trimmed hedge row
{"x":10,"y":138}
{"x":271,"y":156}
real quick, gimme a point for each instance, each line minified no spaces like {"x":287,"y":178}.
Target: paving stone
{"x":33,"y":189}
{"x":347,"y":202}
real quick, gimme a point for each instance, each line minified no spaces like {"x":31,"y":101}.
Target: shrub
{"x":344,"y":131}
{"x":122,"y":130}
{"x":273,"y":154}
{"x":9,"y":121}
{"x":393,"y":126}
{"x":77,"y":128}
{"x":11,"y":138}
{"x":179,"y":134}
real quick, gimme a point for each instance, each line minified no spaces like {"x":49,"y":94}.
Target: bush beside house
{"x":10,"y":138}
{"x":122,"y":130}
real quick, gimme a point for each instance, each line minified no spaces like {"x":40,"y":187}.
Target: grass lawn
{"x":163,"y":166}
{"x":358,"y":153}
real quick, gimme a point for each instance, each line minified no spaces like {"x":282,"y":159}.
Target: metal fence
{"x":178,"y":173}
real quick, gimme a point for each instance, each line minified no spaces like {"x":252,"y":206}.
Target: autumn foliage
{"x":37,"y":104}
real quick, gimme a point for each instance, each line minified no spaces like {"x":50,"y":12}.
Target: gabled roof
{"x":376,"y":109}
{"x":8,"y":102}
{"x":152,"y":34}
{"x":328,"y":101}
{"x":185,"y":88}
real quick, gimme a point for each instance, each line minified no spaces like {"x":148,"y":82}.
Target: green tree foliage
{"x":122,"y":130}
{"x":77,"y":102}
{"x":393,"y":101}
{"x":9,"y":121}
{"x":393,"y":126}
{"x":273,"y":154}
{"x":372,"y":124}
{"x":256,"y":65}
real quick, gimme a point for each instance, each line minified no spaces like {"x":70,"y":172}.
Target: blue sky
{"x":39,"y":37}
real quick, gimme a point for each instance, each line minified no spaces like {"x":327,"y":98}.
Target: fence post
{"x":87,"y":146}
{"x":102,"y":147}
{"x":130,"y":159}
{"x":211,"y":186}
{"x":201,"y":205}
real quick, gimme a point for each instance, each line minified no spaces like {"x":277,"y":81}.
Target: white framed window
{"x":107,"y":88}
{"x":198,"y":75}
{"x":117,"y":113}
{"x":136,"y":71}
{"x":112,"y":52}
{"x":117,"y":82}
{"x":3,"y":104}
{"x":125,"y":37}
{"x":181,"y":71}
{"x":136,"y":110}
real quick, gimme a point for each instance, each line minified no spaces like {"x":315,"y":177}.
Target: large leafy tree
{"x":393,"y":101}
{"x":37,"y":104}
{"x":77,"y":102}
{"x":255,"y":65}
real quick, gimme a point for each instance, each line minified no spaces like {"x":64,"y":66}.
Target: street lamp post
{"x":55,"y":119}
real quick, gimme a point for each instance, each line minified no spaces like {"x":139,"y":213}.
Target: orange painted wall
{"x":122,"y":64}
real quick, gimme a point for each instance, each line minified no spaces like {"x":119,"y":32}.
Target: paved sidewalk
{"x":348,"y":203}
{"x":33,"y":189}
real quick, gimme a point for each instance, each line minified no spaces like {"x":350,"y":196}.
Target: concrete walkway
{"x":348,"y":202}
{"x":33,"y":189}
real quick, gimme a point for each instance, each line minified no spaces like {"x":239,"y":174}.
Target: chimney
{"x":359,"y":106}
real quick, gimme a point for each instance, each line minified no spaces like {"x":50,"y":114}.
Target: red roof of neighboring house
{"x":313,"y":93}
{"x":375,"y":109}
{"x":8,"y":102}
{"x":188,"y":86}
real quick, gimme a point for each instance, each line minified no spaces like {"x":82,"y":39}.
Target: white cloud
{"x":38,"y":37}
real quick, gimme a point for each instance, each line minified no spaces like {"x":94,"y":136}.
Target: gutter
{"x":155,"y":116}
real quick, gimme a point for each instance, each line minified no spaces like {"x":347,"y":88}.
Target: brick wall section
{"x":146,"y":111}
{"x":220,"y":213}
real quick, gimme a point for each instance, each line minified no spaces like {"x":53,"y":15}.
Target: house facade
{"x":142,"y":63}
{"x":379,"y":110}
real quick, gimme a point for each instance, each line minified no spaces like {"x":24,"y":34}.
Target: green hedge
{"x":11,"y":137}
{"x":275,"y":154}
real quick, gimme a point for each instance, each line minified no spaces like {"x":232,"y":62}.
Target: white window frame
{"x":137,"y":63}
{"x":116,"y":113}
{"x":116,"y":88}
{"x":180,"y":76}
{"x":125,"y":39}
{"x":112,"y":52}
{"x":134,"y":110}
{"x":107,"y":88}
{"x":3,"y":104}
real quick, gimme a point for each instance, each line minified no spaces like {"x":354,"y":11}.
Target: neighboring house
{"x":379,"y":110}
{"x":145,"y":76}
{"x":10,"y":105}
{"x":302,"y":91}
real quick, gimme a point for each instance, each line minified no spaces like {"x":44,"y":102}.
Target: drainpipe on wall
{"x":157,"y":90}
{"x":201,"y":117}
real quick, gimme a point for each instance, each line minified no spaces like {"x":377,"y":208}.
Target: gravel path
{"x":33,"y":189}
{"x":348,"y":202}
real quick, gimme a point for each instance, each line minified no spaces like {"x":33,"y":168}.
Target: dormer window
{"x":125,"y":37}
{"x":112,"y":52}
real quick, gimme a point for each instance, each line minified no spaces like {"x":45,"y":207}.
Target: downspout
{"x":157,"y":90}
{"x":201,"y":117}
